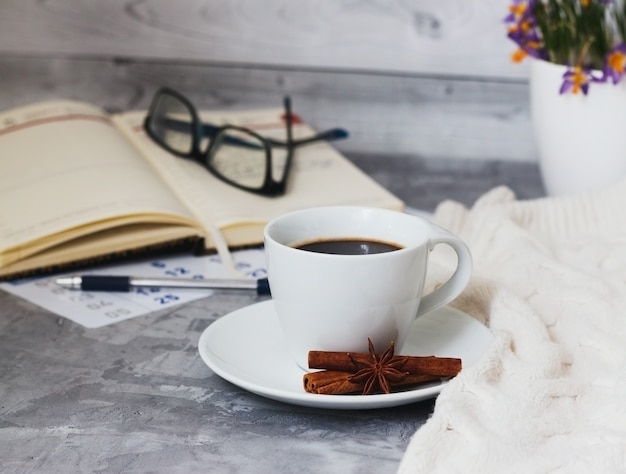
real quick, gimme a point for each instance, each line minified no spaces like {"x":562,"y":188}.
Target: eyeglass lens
{"x":172,"y":123}
{"x":239,"y":156}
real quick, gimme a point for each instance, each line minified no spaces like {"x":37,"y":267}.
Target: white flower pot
{"x":581,"y":139}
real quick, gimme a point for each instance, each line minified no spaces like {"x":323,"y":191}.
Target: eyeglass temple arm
{"x":332,"y":134}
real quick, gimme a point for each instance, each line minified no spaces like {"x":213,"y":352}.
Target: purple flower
{"x":577,"y":79}
{"x":529,"y":48}
{"x":615,"y":63}
{"x":523,"y":31}
{"x":530,"y":44}
{"x":517,"y":10}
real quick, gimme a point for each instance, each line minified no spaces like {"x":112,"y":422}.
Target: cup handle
{"x":459,"y":279}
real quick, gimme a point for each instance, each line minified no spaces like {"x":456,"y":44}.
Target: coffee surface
{"x":348,"y":246}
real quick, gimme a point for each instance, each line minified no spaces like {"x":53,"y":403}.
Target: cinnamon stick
{"x":351,"y":362}
{"x":330,"y":382}
{"x":352,"y":372}
{"x":334,"y":382}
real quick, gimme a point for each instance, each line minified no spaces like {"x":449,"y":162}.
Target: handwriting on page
{"x":97,"y":309}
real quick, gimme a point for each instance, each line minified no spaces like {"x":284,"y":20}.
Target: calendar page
{"x":97,"y":309}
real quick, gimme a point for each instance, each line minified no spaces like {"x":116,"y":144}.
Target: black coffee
{"x":348,"y":246}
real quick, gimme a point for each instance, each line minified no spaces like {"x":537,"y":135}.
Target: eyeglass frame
{"x":200,"y":129}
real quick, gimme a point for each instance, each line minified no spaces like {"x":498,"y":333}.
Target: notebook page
{"x":62,"y":165}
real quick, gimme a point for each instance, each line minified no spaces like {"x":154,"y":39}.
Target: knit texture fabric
{"x":549,"y":395}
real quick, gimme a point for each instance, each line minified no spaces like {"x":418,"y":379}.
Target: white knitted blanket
{"x":550,"y":395}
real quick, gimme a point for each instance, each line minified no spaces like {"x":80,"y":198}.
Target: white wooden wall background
{"x":428,"y":78}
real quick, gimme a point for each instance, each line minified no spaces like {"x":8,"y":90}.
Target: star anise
{"x":379,"y":372}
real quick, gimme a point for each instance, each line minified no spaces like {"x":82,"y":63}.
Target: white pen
{"x":127,"y":283}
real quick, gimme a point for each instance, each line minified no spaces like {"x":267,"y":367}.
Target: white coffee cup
{"x":336,"y":302}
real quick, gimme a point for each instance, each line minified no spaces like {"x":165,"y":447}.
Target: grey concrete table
{"x":135,"y":396}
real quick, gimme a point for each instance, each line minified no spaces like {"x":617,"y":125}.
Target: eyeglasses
{"x":236,"y":155}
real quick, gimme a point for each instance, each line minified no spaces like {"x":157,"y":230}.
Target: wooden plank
{"x":451,"y":37}
{"x":411,"y":115}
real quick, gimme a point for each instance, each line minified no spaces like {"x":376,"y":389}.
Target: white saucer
{"x":246,"y":347}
